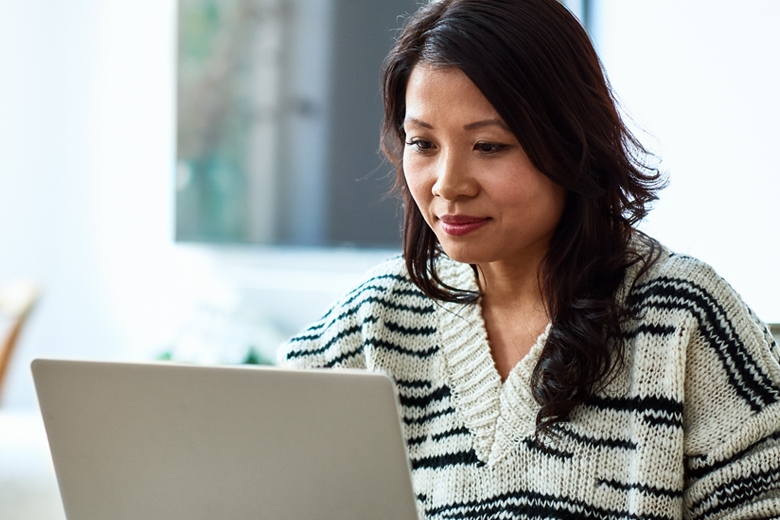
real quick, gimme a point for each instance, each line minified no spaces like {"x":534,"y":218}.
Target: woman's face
{"x":468,"y":174}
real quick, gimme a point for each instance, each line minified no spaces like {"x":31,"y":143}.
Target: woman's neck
{"x":511,"y":285}
{"x":513,"y":310}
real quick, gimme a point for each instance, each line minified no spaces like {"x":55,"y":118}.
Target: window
{"x":279,"y":115}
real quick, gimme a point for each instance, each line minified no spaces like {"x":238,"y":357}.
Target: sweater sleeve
{"x":732,"y":407}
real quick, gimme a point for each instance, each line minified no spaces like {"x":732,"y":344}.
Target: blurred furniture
{"x":774,"y":328}
{"x":16,"y":301}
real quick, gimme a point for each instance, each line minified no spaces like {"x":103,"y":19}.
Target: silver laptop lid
{"x":165,"y":441}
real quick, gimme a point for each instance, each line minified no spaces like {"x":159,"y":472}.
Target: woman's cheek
{"x":417,"y":187}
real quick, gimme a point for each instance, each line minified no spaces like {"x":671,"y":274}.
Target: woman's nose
{"x":454,"y":179}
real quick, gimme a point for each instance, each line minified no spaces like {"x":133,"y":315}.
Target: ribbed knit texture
{"x":689,"y":429}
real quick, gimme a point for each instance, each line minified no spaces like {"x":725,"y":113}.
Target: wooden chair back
{"x":17,"y":299}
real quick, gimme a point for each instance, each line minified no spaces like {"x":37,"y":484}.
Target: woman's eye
{"x":489,"y":147}
{"x":420,"y":144}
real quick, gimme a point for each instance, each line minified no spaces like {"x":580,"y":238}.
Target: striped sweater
{"x":690,"y":427}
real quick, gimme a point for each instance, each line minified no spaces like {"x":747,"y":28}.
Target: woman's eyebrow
{"x":471,"y":126}
{"x":487,"y":122}
{"x":416,"y":122}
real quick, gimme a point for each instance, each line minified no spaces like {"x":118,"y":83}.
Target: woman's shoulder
{"x":385,"y":294}
{"x":389,"y":279}
{"x":677,"y":288}
{"x":666,"y":273}
{"x":663,"y":262}
{"x":385,"y":286}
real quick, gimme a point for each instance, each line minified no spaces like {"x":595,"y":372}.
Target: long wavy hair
{"x":535,"y":64}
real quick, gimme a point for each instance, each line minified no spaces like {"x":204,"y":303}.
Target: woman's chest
{"x":473,"y":451}
{"x":585,"y":470}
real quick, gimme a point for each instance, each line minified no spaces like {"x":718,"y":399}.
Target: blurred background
{"x":203,"y":193}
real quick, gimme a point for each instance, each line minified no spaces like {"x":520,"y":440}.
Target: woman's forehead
{"x":446,"y":94}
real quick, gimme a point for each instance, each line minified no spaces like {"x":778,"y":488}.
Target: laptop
{"x":176,"y":442}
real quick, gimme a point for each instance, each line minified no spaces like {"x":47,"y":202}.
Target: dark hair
{"x":535,"y":64}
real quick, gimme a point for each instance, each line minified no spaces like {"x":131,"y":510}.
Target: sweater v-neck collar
{"x":497,"y":414}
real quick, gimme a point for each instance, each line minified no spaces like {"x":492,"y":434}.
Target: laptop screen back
{"x":165,"y":441}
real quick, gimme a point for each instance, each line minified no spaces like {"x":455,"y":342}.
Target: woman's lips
{"x":458,"y":225}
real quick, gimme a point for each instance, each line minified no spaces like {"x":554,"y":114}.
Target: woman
{"x":552,"y":361}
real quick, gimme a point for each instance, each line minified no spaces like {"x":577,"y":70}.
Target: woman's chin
{"x":464,"y":255}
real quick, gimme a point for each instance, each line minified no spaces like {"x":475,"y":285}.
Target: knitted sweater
{"x":689,"y":428}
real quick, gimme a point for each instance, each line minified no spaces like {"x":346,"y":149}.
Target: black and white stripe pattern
{"x":689,"y":429}
{"x":747,"y":377}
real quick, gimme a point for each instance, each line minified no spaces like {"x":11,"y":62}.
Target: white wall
{"x":703,"y":78}
{"x":85,"y":141}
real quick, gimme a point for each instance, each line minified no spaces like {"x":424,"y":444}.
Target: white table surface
{"x":28,"y":486}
